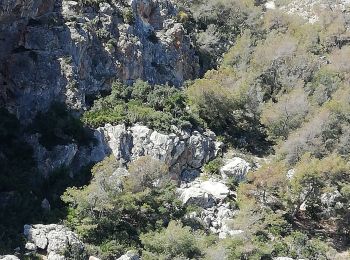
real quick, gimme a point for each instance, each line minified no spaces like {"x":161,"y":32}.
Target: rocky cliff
{"x":180,"y":150}
{"x":69,"y":50}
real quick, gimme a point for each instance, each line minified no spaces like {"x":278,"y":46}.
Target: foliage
{"x":115,"y":208}
{"x":128,"y":16}
{"x":215,"y":25}
{"x":173,"y":242}
{"x":225,"y":104}
{"x":275,"y":80}
{"x":158,"y":107}
{"x":213,"y":167}
{"x":286,"y":115}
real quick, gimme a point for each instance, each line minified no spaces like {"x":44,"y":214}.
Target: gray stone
{"x":330,"y":198}
{"x":290,"y":174}
{"x":30,"y":246}
{"x":310,"y":9}
{"x":106,"y":8}
{"x":9,"y":257}
{"x":236,"y":168}
{"x":330,"y":202}
{"x":130,"y":255}
{"x":54,"y":256}
{"x":36,"y":236}
{"x":52,"y":238}
{"x":94,"y":258}
{"x":216,"y":214}
{"x":196,"y":196}
{"x":50,"y":160}
{"x":203,"y":193}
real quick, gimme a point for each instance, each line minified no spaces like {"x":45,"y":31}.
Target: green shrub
{"x":213,"y":167}
{"x":158,"y":107}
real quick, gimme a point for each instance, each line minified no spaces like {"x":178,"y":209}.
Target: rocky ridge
{"x":180,"y":150}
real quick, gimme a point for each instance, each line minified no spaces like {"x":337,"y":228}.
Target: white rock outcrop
{"x":236,"y":168}
{"x":203,"y":193}
{"x":178,"y":149}
{"x":270,"y":5}
{"x":54,"y":239}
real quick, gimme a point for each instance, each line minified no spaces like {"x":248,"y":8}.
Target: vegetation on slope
{"x":283,"y":82}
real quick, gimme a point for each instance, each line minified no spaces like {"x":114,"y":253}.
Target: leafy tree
{"x":116,"y":207}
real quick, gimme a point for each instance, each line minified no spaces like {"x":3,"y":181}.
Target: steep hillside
{"x":156,"y":129}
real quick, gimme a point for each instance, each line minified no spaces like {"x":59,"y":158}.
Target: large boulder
{"x":54,"y":239}
{"x":331,"y":202}
{"x":196,"y":196}
{"x":203,"y":193}
{"x":236,"y":168}
{"x":94,"y":258}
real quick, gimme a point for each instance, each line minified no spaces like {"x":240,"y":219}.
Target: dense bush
{"x":213,"y":167}
{"x":158,"y":107}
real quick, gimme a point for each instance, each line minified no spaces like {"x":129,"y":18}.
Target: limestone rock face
{"x":54,"y":239}
{"x":65,"y":51}
{"x":236,"y":168}
{"x":178,"y":151}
